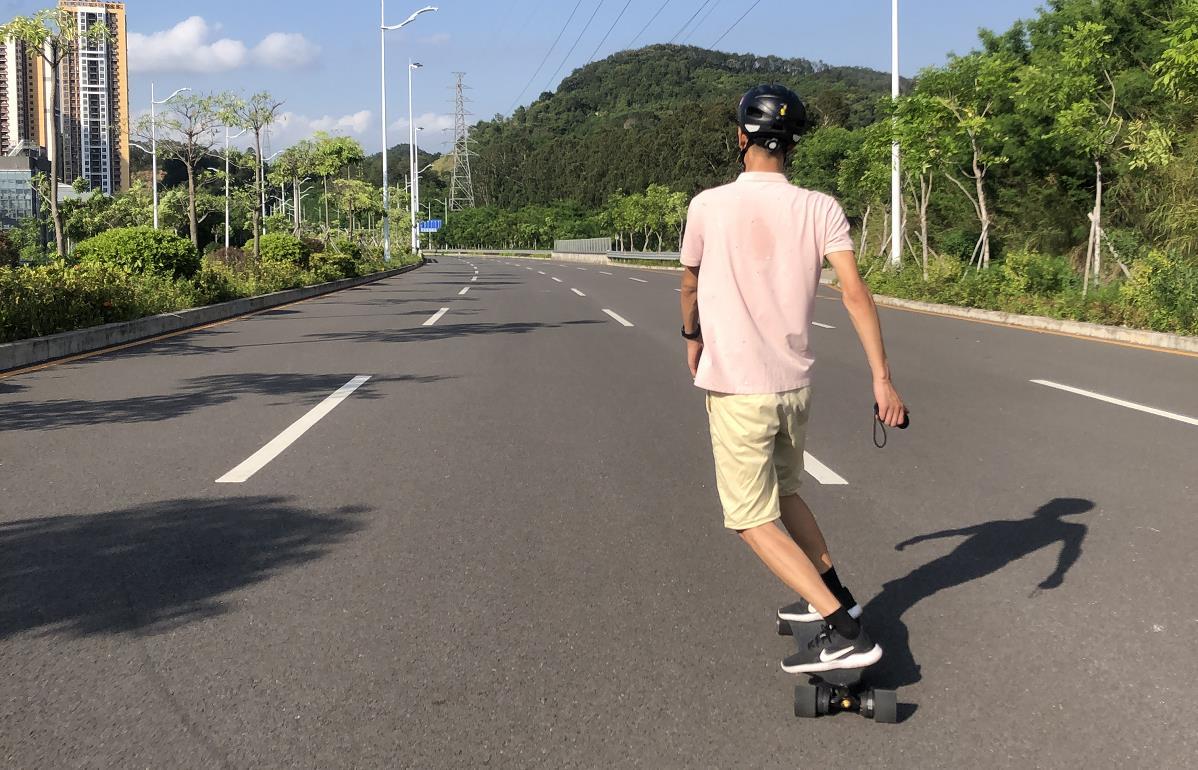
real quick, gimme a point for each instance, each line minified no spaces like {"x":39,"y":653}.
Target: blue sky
{"x":325,"y":65}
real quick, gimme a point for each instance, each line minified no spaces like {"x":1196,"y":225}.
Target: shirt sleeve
{"x":692,"y":238}
{"x":837,"y":236}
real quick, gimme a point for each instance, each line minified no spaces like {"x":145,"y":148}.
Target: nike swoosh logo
{"x":825,"y":657}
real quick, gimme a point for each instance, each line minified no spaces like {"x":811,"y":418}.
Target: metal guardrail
{"x":657,"y":256}
{"x":583,"y":245}
{"x":499,"y":252}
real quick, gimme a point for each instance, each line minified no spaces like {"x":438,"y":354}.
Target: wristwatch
{"x":695,"y":335}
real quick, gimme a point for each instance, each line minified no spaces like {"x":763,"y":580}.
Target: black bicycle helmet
{"x":772,"y":116}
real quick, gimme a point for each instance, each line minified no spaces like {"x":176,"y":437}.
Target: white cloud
{"x":434,"y":124}
{"x":286,"y":50}
{"x":185,"y":47}
{"x":189,"y":47}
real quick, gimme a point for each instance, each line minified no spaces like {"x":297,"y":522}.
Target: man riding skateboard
{"x":753,"y":252}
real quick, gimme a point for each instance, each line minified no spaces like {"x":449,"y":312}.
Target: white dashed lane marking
{"x":1119,"y":402}
{"x":579,"y":293}
{"x":638,"y":280}
{"x":258,"y":460}
{"x":621,"y":319}
{"x":436,"y":317}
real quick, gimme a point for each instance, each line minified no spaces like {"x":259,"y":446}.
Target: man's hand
{"x":890,"y":407}
{"x":694,"y":351}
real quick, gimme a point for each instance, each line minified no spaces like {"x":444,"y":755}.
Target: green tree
{"x":921,"y":125}
{"x":293,"y":167}
{"x":255,"y":114}
{"x":330,"y":155}
{"x":973,"y":89}
{"x":53,"y":36}
{"x":189,"y":125}
{"x":356,"y":197}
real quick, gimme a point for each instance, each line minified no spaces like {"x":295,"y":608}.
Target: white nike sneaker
{"x":804,"y":612}
{"x":830,"y":651}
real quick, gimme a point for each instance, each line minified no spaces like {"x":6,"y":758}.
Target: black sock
{"x":844,"y":624}
{"x":832,"y":581}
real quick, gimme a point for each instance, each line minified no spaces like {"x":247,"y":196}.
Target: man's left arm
{"x":690,"y":317}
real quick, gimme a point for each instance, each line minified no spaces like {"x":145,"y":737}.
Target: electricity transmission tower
{"x":461,"y":191}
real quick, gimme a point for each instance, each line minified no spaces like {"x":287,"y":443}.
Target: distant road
{"x":467,"y":516}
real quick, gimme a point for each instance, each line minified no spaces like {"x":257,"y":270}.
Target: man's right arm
{"x":860,"y":303}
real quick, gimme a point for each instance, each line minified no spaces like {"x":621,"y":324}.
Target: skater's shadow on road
{"x":987,"y":548}
{"x":153,"y":567}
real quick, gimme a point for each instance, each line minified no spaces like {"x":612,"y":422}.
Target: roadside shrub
{"x":275,"y":276}
{"x":331,"y":266}
{"x":218,"y":282}
{"x":233,"y":257}
{"x":36,"y":301}
{"x":283,"y":247}
{"x":1164,"y":288}
{"x":141,"y":250}
{"x":1030,"y":272}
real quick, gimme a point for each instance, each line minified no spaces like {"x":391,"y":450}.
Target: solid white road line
{"x":822,"y":326}
{"x":463,"y":291}
{"x":618,"y":317}
{"x":638,"y":280}
{"x":554,"y":277}
{"x":258,"y":460}
{"x":604,"y":272}
{"x":1119,"y":402}
{"x":436,"y":317}
{"x":579,"y":293}
{"x":820,"y":472}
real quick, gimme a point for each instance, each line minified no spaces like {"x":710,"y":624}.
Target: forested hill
{"x":661,"y":114}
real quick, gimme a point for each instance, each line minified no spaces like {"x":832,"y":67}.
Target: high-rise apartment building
{"x":93,"y":100}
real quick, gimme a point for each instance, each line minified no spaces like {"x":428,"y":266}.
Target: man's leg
{"x":786,"y":560}
{"x":800,"y":523}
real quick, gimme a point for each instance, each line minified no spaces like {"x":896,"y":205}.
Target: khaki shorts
{"x":758,"y":443}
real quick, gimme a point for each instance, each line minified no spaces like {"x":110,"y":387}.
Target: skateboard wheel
{"x":805,"y":701}
{"x":885,"y":706}
{"x":783,"y":627}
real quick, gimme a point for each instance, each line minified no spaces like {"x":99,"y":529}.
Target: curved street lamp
{"x":383,"y":30}
{"x":154,"y":142}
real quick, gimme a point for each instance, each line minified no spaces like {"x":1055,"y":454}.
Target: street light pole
{"x":896,"y":201}
{"x":416,"y":182}
{"x":154,"y":143}
{"x":383,"y":30}
{"x":413,"y":241}
{"x":227,"y":171}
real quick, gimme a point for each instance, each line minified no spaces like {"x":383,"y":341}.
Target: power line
{"x":738,"y":21}
{"x":703,"y":20}
{"x":653,"y":19}
{"x":688,"y":21}
{"x":537,"y":71}
{"x":577,"y":40}
{"x":609,"y":31}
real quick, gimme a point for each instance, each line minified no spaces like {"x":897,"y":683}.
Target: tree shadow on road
{"x":194,"y":393}
{"x":153,"y":567}
{"x":444,"y":331}
{"x":988,"y":547}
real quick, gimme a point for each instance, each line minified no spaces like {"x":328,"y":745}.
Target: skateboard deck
{"x":831,"y":692}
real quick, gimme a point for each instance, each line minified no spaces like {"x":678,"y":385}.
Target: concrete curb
{"x":1122,"y":334}
{"x":39,"y":350}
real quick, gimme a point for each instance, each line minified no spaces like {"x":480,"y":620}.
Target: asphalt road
{"x":504,"y":548}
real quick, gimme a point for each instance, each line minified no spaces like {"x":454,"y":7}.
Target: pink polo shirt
{"x":760,"y":244}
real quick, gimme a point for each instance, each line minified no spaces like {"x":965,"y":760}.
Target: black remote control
{"x":906,"y":423}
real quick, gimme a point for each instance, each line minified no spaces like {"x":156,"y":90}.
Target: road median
{"x":52,"y":347}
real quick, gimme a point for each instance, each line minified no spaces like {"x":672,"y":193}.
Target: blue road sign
{"x":430,"y":226}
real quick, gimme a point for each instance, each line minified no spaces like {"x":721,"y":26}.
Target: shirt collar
{"x":761,"y":176}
